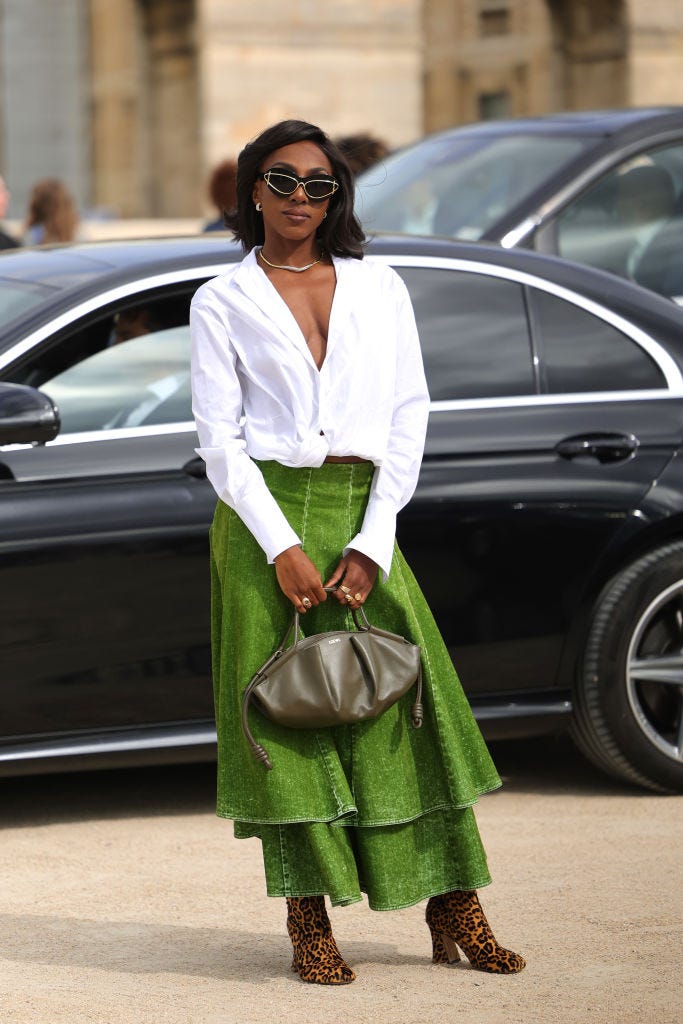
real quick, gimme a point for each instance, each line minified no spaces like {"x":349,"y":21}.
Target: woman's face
{"x":293,"y":217}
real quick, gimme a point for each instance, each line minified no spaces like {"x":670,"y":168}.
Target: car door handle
{"x":603,"y":447}
{"x":196,"y":467}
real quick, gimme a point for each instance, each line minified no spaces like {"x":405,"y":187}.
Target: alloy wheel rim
{"x":654,"y":672}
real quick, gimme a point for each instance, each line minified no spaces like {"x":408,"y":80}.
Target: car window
{"x":140,"y":381}
{"x":459,"y":186}
{"x":473,"y":331}
{"x":581,"y":352}
{"x":125,"y":366}
{"x":631,"y":222}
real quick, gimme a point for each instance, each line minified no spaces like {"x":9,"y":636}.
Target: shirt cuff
{"x":264,"y":518}
{"x":377,"y":535}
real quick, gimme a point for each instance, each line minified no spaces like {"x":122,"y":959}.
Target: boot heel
{"x":444,"y":950}
{"x":457,"y":917}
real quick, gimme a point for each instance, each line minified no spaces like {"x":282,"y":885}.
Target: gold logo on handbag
{"x":333,"y":679}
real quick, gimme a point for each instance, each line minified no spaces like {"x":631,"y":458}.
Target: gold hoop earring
{"x":259,"y":207}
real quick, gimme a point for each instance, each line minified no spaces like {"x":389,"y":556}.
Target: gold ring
{"x":344,"y":590}
{"x":349,"y":598}
{"x":358,"y":598}
{"x":306,"y":602}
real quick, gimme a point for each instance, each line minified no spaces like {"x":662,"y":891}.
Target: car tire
{"x":628,"y":707}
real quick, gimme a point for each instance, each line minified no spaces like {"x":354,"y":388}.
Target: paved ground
{"x":123,"y":899}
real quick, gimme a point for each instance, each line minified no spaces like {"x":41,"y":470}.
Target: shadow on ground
{"x":136,"y":947}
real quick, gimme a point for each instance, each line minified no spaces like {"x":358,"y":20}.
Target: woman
{"x":52,"y":214}
{"x":311,"y":407}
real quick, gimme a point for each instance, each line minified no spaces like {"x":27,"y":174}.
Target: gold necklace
{"x":295,"y":270}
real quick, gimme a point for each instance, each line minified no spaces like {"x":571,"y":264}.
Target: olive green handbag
{"x":333,"y":678}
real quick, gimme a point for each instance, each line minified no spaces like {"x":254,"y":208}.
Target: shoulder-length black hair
{"x":340,"y":234}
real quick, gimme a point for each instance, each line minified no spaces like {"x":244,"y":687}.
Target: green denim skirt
{"x":376,"y":807}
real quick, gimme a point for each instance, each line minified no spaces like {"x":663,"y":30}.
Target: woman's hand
{"x":359,"y":574}
{"x":299,"y":579}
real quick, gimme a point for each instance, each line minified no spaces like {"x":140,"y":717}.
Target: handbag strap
{"x":362,"y":624}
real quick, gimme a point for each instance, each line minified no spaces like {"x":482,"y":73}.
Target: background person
{"x":134,"y":323}
{"x":311,"y":407}
{"x":647,"y":203}
{"x":6,"y":240}
{"x":362,"y":150}
{"x":52,"y":214}
{"x":223,"y":193}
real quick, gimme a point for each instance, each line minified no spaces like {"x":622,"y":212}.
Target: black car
{"x":601,"y":187}
{"x":546,"y":529}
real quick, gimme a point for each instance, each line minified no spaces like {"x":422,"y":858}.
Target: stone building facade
{"x":495,"y":58}
{"x":133,"y":101}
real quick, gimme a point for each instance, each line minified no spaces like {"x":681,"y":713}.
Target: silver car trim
{"x":121,"y":741}
{"x":148,"y":738}
{"x":670,"y":370}
{"x":443,"y":405}
{"x":513,"y":237}
{"x":666,"y":363}
{"x":115,"y":434}
{"x":103,"y":298}
{"x":581,"y":398}
{"x":121,"y":433}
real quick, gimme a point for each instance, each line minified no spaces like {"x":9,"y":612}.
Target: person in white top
{"x":311,"y":408}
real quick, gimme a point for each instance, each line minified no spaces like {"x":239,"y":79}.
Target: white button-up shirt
{"x":258,"y":394}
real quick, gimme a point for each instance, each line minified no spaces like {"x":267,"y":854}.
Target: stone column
{"x":43,"y":93}
{"x":173,"y":123}
{"x":655,"y":52}
{"x":120,"y":144}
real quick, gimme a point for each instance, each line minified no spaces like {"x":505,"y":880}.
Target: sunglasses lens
{"x":320,"y":188}
{"x":283,"y":184}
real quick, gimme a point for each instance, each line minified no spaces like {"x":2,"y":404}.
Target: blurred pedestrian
{"x":6,"y":241}
{"x":134,"y":323}
{"x":222,"y":192}
{"x":52,"y":214}
{"x":362,"y":150}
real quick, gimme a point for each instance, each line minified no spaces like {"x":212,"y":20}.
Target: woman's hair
{"x":340,"y":233}
{"x":51,"y":206}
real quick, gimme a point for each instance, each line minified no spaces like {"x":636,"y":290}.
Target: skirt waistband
{"x":343,"y":459}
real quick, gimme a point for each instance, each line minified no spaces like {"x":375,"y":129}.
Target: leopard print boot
{"x":316,"y":957}
{"x":456,"y":919}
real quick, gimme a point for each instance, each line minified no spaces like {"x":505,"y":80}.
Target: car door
{"x":103,"y":557}
{"x":548,"y":423}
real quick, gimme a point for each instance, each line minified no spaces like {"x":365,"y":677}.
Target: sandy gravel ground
{"x":124,"y":899}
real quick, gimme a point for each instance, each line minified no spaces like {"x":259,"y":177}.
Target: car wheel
{"x":628,"y":714}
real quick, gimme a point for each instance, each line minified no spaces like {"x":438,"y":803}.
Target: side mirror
{"x":27,"y":416}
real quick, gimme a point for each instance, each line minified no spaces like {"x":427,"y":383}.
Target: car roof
{"x":585,"y":122}
{"x":81,"y":260}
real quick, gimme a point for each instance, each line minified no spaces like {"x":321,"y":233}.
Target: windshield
{"x":458,"y":187}
{"x":16,"y":297}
